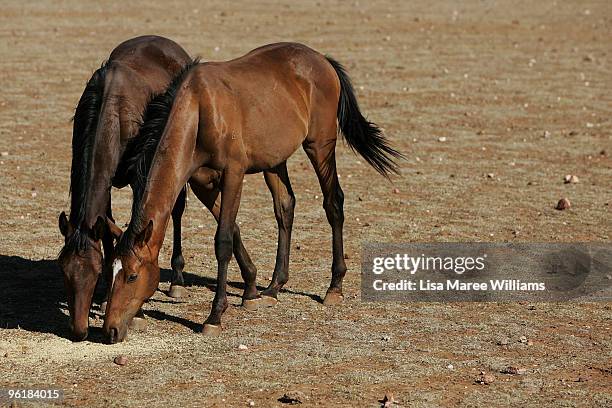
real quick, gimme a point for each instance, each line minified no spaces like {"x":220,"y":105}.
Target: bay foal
{"x":232,"y":118}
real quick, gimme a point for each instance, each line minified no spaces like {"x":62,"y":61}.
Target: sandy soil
{"x":521,"y":92}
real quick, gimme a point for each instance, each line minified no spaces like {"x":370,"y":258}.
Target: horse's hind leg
{"x":321,"y":152}
{"x":177,"y":285}
{"x":284,"y":205}
{"x":209,"y":196}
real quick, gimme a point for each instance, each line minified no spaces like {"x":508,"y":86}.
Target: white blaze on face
{"x":116,"y":268}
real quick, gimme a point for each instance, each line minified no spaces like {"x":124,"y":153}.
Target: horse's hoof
{"x":251,"y":304}
{"x":211,"y":330}
{"x":138,"y":323}
{"x":177,"y":291}
{"x":103,"y":307}
{"x":333,"y":298}
{"x":267,"y":301}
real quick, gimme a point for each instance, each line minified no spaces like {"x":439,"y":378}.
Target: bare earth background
{"x":522,"y":92}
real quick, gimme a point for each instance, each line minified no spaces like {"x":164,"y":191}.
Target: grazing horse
{"x":229,"y":119}
{"x":106,"y":124}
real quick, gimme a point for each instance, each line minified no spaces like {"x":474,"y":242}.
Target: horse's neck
{"x":157,"y":207}
{"x":108,"y":146}
{"x":172,"y":166}
{"x":123,"y":102}
{"x":104,"y":160}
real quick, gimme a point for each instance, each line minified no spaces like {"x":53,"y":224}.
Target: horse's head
{"x":136,"y":277}
{"x":81,"y":263}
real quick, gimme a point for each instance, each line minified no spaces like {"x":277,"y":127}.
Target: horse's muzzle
{"x":115,"y":335}
{"x":78,"y":332}
{"x":79,"y":335}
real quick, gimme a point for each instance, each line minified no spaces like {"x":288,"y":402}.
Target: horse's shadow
{"x":197,"y":280}
{"x":32,"y":296}
{"x":211,"y":284}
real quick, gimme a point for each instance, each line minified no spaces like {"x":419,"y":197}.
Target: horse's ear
{"x":64,"y":225}
{"x":99,"y":228}
{"x":145,"y":235}
{"x":114,"y":229}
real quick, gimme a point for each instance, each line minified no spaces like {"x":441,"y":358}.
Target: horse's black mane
{"x":84,"y":130}
{"x":141,"y":151}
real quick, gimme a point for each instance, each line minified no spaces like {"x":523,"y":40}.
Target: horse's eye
{"x":132,"y":278}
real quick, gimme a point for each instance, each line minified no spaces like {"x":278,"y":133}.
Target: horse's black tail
{"x":361,"y":135}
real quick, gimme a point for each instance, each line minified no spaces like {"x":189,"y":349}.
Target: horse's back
{"x":292,"y":60}
{"x":156,"y":59}
{"x":149,"y":47}
{"x":267,"y":75}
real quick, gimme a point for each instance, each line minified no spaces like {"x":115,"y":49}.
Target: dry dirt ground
{"x":520,"y":90}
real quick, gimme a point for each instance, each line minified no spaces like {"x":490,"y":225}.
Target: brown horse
{"x":232,"y":118}
{"x":106,"y":124}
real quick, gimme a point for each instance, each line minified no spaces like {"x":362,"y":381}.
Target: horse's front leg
{"x":206,"y":188}
{"x":231,"y":188}
{"x":177,"y":285}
